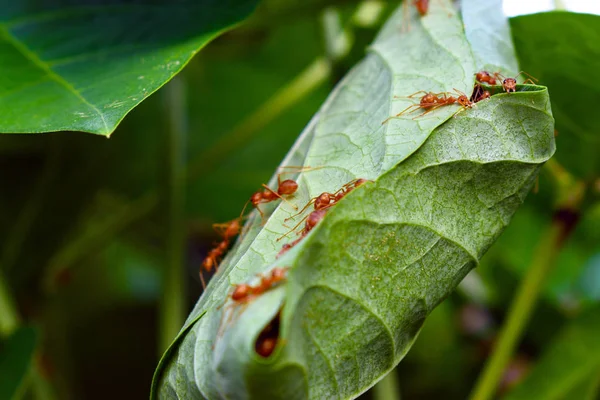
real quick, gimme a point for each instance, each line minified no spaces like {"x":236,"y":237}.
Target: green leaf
{"x":572,"y":359}
{"x":16,"y":355}
{"x":362,"y":282}
{"x":566,"y":62}
{"x":588,"y":389}
{"x":83,"y":67}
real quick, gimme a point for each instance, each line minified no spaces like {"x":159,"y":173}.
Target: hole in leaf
{"x":268,"y":338}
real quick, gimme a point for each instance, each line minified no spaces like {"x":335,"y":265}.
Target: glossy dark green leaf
{"x":562,"y":50}
{"x":84,"y":66}
{"x":571,"y":359}
{"x":16,"y":355}
{"x":443,"y":188}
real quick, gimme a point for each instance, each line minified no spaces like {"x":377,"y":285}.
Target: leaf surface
{"x":361,"y":284}
{"x":84,"y":66}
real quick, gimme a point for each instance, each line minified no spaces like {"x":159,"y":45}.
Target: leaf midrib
{"x":35,"y":60}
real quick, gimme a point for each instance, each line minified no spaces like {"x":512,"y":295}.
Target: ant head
{"x":208,"y":263}
{"x":256,"y":198}
{"x":464,"y":101}
{"x":284,"y":249}
{"x":288,"y":186}
{"x":360,"y":181}
{"x":241,"y":292}
{"x":278,"y":274}
{"x":509,"y":84}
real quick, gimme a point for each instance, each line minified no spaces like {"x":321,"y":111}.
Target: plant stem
{"x":522,"y":307}
{"x":388,"y":388}
{"x":9,"y":318}
{"x":172,"y":306}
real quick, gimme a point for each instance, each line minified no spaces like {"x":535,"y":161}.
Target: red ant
{"x":422,"y":6}
{"x":243,"y":293}
{"x":509,"y":85}
{"x":432,"y":101}
{"x":486,"y":77}
{"x":267,"y":339}
{"x":479,"y":94}
{"x":428,"y":100}
{"x":326,"y":199}
{"x":284,"y":188}
{"x":321,"y":203}
{"x":228,"y":231}
{"x":312,"y":220}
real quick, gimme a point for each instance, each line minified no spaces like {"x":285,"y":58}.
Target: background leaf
{"x":572,"y":359}
{"x":16,"y":355}
{"x":362,"y":284}
{"x":562,"y":62}
{"x":84,"y":67}
{"x":565,"y":62}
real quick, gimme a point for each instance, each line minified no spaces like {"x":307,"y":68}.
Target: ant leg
{"x":449,"y":11}
{"x":310,"y":202}
{"x":294,"y":169}
{"x":529,"y":81}
{"x":415,"y":93}
{"x":459,"y":92}
{"x":401,"y":112}
{"x":406,"y":18}
{"x":293,"y":229}
{"x":202,"y":280}
{"x":262,"y":215}
{"x":429,"y":110}
{"x":530,"y":77}
{"x":299,"y":168}
{"x":278,"y":195}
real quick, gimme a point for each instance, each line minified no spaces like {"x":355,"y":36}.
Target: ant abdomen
{"x":288,"y":186}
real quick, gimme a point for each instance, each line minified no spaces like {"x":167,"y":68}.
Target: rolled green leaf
{"x":442,"y":187}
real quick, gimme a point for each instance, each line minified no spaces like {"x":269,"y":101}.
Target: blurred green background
{"x":83,"y":219}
